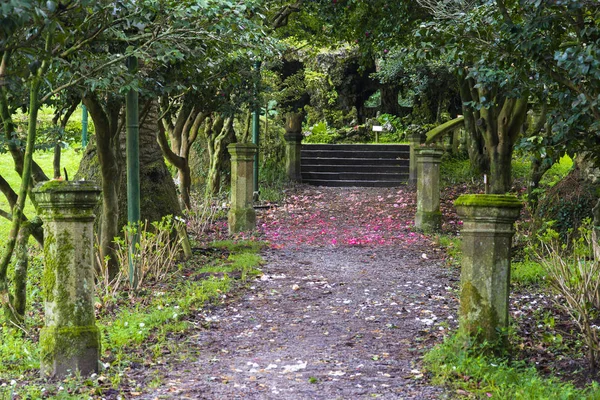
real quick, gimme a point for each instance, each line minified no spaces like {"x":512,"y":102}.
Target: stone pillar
{"x":415,"y":141}
{"x":293,"y":146}
{"x":487,"y":235}
{"x":429,"y":217}
{"x":69,"y":340}
{"x":241,"y":212}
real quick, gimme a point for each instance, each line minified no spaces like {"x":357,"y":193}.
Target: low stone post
{"x":414,"y":141}
{"x":293,"y":146}
{"x":485,"y":275}
{"x":429,"y":217}
{"x":69,"y":340}
{"x":241,"y":212}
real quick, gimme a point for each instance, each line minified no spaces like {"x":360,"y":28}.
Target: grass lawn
{"x":70,"y":160}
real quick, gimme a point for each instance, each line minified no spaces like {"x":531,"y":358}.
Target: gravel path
{"x":325,"y":321}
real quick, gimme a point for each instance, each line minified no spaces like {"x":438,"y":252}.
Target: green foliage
{"x":557,"y":172}
{"x":457,"y":170}
{"x":394,"y":129}
{"x":321,"y":133}
{"x":157,"y":248}
{"x":469,"y":369}
{"x":527,"y":272}
{"x":577,"y":281}
{"x":70,"y":161}
{"x":566,"y":204}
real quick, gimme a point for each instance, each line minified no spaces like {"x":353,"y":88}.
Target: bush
{"x":577,"y":281}
{"x":320,"y":133}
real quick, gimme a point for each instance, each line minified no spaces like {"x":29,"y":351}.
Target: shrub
{"x":156,"y":253}
{"x":577,"y":282}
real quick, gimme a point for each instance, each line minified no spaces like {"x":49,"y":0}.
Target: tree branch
{"x":281,"y":19}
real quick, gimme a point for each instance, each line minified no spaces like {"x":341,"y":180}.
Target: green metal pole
{"x":133,"y":170}
{"x":256,"y":130}
{"x":84,"y":126}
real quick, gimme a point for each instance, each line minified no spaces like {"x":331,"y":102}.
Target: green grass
{"x":452,"y":245}
{"x":458,"y":170}
{"x":69,"y":160}
{"x":477,"y":375}
{"x":527,"y":272}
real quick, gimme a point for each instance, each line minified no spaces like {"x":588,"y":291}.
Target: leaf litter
{"x":350,"y":298}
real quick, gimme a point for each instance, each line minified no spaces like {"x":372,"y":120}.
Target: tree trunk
{"x":389,"y":99}
{"x":475,"y":143}
{"x":158,"y":191}
{"x":538,"y":169}
{"x":500,"y":169}
{"x":182,"y":135}
{"x":157,"y":188}
{"x":218,"y":135}
{"x":106,"y":123}
{"x":19,"y":296}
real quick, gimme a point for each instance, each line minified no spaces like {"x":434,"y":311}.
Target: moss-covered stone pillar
{"x":241,"y":212}
{"x":414,"y":140}
{"x":69,"y":340}
{"x":487,"y":234}
{"x":293,"y":146}
{"x":429,"y":217}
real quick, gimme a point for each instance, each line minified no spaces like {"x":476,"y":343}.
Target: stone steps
{"x":343,"y":165}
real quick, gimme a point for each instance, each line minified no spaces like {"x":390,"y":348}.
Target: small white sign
{"x":377,"y":128}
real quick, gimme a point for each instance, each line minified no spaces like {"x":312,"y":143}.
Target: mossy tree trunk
{"x":108,"y":124}
{"x":26,"y":167}
{"x":60,"y":120}
{"x":104,"y":163}
{"x":182,"y":133}
{"x":16,"y":152}
{"x":475,"y":143}
{"x":15,"y":309}
{"x":218,"y":132}
{"x":498,"y":123}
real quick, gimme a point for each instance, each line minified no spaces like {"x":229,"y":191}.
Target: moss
{"x":71,"y":186}
{"x":488,"y":200}
{"x":429,"y":221}
{"x":68,"y":347}
{"x":241,"y":219}
{"x":49,"y":275}
{"x":436,"y":132}
{"x":478,"y":320}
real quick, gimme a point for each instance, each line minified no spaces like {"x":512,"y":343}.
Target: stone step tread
{"x":359,"y":176}
{"x":354,"y":183}
{"x":354,"y":168}
{"x":369,"y":147}
{"x":353,"y":161}
{"x":354,"y":154}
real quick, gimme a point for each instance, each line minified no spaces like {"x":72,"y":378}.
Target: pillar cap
{"x":242,"y":151}
{"x":250,"y":146}
{"x":488,"y":200}
{"x":71,"y":197}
